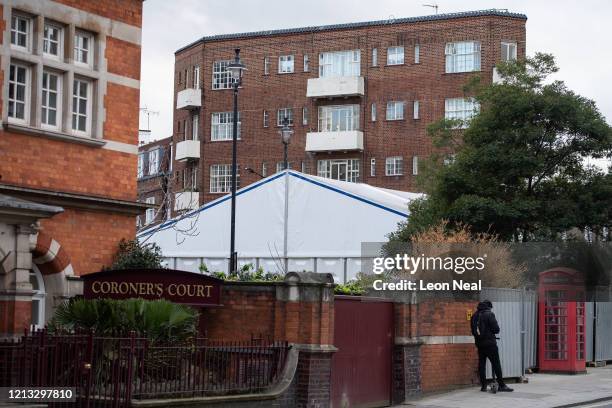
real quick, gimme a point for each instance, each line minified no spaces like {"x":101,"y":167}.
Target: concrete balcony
{"x":335,"y":86}
{"x":186,"y":201}
{"x":187,"y":150}
{"x":189,"y":98}
{"x":334,"y":141}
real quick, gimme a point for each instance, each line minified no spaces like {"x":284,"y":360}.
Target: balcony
{"x":186,"y":201}
{"x":334,"y":141}
{"x":330,"y":87}
{"x":187,"y":150}
{"x":189,"y":98}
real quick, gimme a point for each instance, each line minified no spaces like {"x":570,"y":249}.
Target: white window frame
{"x":264,"y":169}
{"x":373,"y":112}
{"x":58,"y":100}
{"x":221,"y":126}
{"x":306,"y":63}
{"x":286,"y":64}
{"x":509,"y":51}
{"x":221,"y":178}
{"x":195,"y":126}
{"x":324,"y":168}
{"x":372,"y":167}
{"x":267,"y":65}
{"x":149,"y":212}
{"x":280,"y":166}
{"x":462,"y":56}
{"x":38,"y":298}
{"x":417,"y":53}
{"x":338,"y":118}
{"x":59,"y":42}
{"x":394,"y":166}
{"x":305,"y":116}
{"x":416,"y":110}
{"x":345,"y":63}
{"x":392,"y":111}
{"x":374,"y":57}
{"x":415,"y":165}
{"x":280,"y":117}
{"x":463,"y":109}
{"x":395,"y":55}
{"x":196,"y":77}
{"x":141,"y":167}
{"x":221,"y":77}
{"x":266,"y":118}
{"x":154,"y":161}
{"x":27,"y":32}
{"x":78,"y":48}
{"x":27,"y":93}
{"x":89,"y":104}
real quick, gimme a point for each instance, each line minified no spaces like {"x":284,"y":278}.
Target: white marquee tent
{"x":320,"y":228}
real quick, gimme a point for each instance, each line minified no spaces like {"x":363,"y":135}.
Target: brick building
{"x":359,"y":96}
{"x":70,"y":74}
{"x":154,"y":177}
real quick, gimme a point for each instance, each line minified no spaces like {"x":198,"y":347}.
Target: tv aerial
{"x":433,"y":6}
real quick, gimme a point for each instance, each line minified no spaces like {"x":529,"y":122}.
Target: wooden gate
{"x":362,"y":366}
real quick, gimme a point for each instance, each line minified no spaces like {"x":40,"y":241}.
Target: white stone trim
{"x":50,"y":255}
{"x":447,"y":339}
{"x":120,"y":147}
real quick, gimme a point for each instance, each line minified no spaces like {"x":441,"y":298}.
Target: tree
{"x":519,"y":170}
{"x":133,"y":254}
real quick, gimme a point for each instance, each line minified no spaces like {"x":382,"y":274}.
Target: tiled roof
{"x":315,"y":29}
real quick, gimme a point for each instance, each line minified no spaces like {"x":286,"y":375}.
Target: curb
{"x":579,"y":404}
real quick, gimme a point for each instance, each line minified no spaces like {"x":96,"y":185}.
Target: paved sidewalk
{"x":542,"y":391}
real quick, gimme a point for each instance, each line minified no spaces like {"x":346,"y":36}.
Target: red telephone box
{"x":561,"y":334}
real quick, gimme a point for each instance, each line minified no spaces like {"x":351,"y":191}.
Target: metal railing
{"x":113,"y":371}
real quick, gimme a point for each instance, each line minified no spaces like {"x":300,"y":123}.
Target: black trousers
{"x":492,"y":353}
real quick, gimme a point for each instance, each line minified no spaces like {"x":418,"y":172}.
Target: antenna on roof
{"x":433,"y":6}
{"x":148,"y":112}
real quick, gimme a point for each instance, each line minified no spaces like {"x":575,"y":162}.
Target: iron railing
{"x":113,"y":371}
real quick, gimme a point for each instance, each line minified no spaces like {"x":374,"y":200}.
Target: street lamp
{"x":236,"y":69}
{"x":286,"y":133}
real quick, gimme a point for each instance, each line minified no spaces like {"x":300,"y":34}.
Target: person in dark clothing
{"x":484,"y":329}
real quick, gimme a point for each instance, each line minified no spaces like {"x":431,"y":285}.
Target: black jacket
{"x":484,"y":319}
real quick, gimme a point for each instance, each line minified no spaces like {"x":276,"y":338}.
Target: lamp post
{"x":286,"y":133}
{"x":236,"y":69}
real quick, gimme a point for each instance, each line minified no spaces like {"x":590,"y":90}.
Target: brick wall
{"x":426,"y":82}
{"x":125,"y":11}
{"x":123,"y":58}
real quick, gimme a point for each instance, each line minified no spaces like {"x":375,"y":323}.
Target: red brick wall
{"x":14,"y":316}
{"x":122,"y":110}
{"x":426,"y":82}
{"x":123,"y":57}
{"x":126,"y":11}
{"x":90,"y":238}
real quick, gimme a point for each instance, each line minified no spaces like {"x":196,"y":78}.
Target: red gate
{"x":362,"y":366}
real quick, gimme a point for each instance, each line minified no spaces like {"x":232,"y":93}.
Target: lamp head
{"x":286,"y":131}
{"x":236,"y":68}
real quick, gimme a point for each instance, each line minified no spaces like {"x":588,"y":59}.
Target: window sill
{"x":462,"y":72}
{"x":54,"y":135}
{"x":394,"y":65}
{"x":395,"y":120}
{"x":225,"y":140}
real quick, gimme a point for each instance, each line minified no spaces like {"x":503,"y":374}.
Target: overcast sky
{"x":576,"y":32}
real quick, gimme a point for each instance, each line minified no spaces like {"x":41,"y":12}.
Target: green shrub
{"x":132,"y":254}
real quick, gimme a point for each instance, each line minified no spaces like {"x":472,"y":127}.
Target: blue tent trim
{"x":170,"y":223}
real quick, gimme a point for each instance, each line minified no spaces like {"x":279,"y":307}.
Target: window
{"x":373,"y":167}
{"x":81,"y":106}
{"x":394,"y":166}
{"x":304,"y":168}
{"x":20,"y":31}
{"x":304,"y":116}
{"x":264,"y":169}
{"x":306,"y":64}
{"x":18,"y":98}
{"x":374,"y":57}
{"x":51,"y":100}
{"x":266,"y":118}
{"x":415,"y":165}
{"x":339,"y":169}
{"x":154,"y":156}
{"x":282,"y":114}
{"x":195,"y":80}
{"x":194,"y":178}
{"x":395,"y":110}
{"x":140,"y":165}
{"x":339,"y":63}
{"x":415,"y":110}
{"x":82,"y":48}
{"x":460,"y":108}
{"x":52,"y":41}
{"x":285,"y":64}
{"x":195,"y":127}
{"x":266,"y":65}
{"x":150,"y":212}
{"x":221,"y":178}
{"x":222,"y":78}
{"x":337,"y":118}
{"x":395,"y":55}
{"x":280,"y":166}
{"x":373,"y":112}
{"x":508,"y":51}
{"x":462,"y":56}
{"x":222,"y":125}
{"x":417,"y":53}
